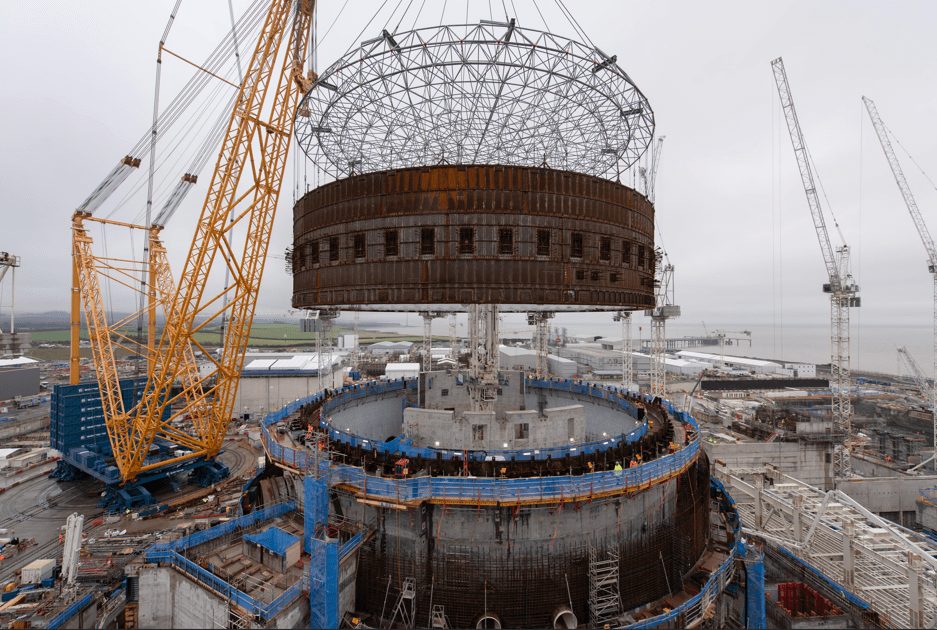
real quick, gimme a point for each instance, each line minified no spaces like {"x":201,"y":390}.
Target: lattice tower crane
{"x":663,"y":310}
{"x":926,"y":389}
{"x":256,"y":143}
{"x":627,"y":350}
{"x":103,"y":335}
{"x":843,"y":291}
{"x":882,"y":132}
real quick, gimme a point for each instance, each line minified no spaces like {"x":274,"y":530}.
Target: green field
{"x":262,"y":336}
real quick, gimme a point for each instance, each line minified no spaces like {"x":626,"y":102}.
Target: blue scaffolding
{"x":323,"y":551}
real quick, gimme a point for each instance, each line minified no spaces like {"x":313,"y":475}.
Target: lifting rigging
{"x":844,"y":293}
{"x":882,"y":132}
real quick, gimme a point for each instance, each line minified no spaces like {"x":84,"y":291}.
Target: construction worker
{"x":633,"y":464}
{"x":618,"y":469}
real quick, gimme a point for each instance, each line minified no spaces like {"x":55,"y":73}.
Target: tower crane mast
{"x":923,"y":232}
{"x":843,"y":291}
{"x":662,"y":311}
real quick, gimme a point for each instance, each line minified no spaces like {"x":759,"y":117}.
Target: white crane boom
{"x":920,"y":379}
{"x":926,"y":239}
{"x":843,"y":292}
{"x":906,"y":193}
{"x":806,"y":172}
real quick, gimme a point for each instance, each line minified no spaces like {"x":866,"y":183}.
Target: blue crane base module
{"x":78,"y":432}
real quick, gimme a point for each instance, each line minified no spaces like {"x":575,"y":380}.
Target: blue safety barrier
{"x":755,"y":589}
{"x":171,"y":553}
{"x":484,"y":488}
{"x":70,"y":611}
{"x":695,"y":608}
{"x":323,"y":584}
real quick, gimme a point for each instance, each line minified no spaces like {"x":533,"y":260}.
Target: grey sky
{"x":79,"y":85}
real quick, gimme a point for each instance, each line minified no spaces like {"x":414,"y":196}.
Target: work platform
{"x":872,"y":563}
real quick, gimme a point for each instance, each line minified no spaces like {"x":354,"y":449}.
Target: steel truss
{"x":889,"y":566}
{"x":488,"y":93}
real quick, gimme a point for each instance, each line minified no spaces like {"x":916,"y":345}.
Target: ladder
{"x":406,"y":604}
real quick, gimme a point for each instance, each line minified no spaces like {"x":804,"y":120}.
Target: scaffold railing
{"x":171,"y":553}
{"x":694,"y":610}
{"x":869,"y":560}
{"x":485,"y":490}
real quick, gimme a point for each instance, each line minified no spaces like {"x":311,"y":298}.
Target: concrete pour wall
{"x":454,"y":430}
{"x":174,"y":601}
{"x":518,"y":560}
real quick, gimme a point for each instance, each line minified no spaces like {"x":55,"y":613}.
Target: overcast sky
{"x":78,"y":88}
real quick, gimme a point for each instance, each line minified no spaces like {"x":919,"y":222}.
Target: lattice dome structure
{"x":487,"y":93}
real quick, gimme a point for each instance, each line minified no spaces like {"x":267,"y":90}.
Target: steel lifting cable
{"x":195,"y":85}
{"x":546,"y":26}
{"x":402,"y":15}
{"x":175,"y":139}
{"x":219,"y":55}
{"x":575,"y":22}
{"x":357,"y":39}
{"x":910,"y":157}
{"x":417,"y":17}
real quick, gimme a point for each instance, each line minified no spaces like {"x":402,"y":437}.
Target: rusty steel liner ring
{"x":442,"y":237}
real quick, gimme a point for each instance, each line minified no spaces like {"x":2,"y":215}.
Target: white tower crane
{"x":882,"y":132}
{"x":627,"y":358}
{"x":662,"y":311}
{"x":843,"y":291}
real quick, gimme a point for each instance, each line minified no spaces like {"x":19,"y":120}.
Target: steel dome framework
{"x":487,"y":93}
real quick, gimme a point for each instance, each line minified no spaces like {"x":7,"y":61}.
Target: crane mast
{"x":662,"y":311}
{"x":843,"y":291}
{"x":926,"y":239}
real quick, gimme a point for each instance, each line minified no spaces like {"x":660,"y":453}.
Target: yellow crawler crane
{"x":256,"y":142}
{"x":104,"y":336}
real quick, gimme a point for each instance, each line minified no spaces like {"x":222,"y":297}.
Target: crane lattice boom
{"x":256,"y":144}
{"x":898,"y":173}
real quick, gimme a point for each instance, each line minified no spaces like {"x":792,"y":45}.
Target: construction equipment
{"x":926,"y":388}
{"x":256,"y":142}
{"x":882,"y":132}
{"x":725,"y":338}
{"x":664,"y":310}
{"x":844,"y":293}
{"x":9,"y":262}
{"x":649,"y":174}
{"x":627,"y":358}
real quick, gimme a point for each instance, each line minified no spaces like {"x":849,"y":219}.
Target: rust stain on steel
{"x":489,"y":224}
